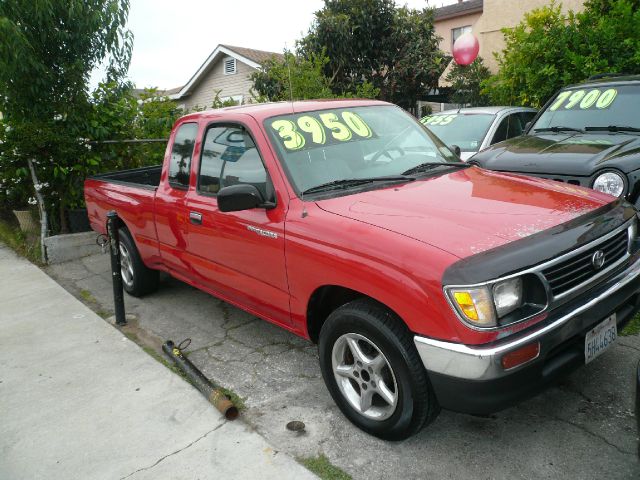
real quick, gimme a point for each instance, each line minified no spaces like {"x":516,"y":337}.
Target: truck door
{"x":238,"y":255}
{"x":171,"y":215}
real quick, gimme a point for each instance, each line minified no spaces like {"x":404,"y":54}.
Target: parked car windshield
{"x":601,"y":106}
{"x":353,"y":143}
{"x":466,"y":130}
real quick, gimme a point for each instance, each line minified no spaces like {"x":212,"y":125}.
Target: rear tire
{"x":373,"y":371}
{"x":137,"y":278}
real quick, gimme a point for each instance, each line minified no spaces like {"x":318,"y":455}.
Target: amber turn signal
{"x":521,"y":356}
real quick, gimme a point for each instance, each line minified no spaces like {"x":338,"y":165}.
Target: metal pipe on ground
{"x":211,"y":392}
{"x":116,"y":273}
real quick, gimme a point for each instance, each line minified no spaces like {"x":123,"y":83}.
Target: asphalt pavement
{"x":79,"y":400}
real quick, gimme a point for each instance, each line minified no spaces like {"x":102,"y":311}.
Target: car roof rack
{"x":606,"y":75}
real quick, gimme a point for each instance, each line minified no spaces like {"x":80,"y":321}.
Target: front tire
{"x":373,"y":371}
{"x":137,"y":278}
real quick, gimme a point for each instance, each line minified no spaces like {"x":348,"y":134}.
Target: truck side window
{"x":181,"y":153}
{"x":230,"y":157}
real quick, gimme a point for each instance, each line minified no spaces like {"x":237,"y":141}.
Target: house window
{"x":458,"y":32}
{"x":229,"y":66}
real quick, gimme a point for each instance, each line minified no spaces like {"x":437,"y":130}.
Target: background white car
{"x":474,"y":129}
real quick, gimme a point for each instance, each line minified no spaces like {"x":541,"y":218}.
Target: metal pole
{"x":212,"y":392}
{"x":116,"y":276}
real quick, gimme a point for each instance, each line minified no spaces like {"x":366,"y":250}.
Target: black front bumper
{"x":561,"y":351}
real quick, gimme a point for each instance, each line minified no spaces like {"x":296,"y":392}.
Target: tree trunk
{"x":42,"y":210}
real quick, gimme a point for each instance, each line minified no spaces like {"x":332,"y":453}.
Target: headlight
{"x":483,"y":306}
{"x":609,"y":182}
{"x":507,"y":296}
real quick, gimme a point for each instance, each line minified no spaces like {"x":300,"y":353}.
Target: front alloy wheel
{"x":373,"y":371}
{"x":364,"y":376}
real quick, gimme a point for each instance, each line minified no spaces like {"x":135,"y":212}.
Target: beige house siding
{"x":230,"y":85}
{"x":498,"y":14}
{"x":486,"y":26}
{"x":444,"y":30}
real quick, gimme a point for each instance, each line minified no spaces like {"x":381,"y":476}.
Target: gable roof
{"x":458,"y":9}
{"x":253,"y":58}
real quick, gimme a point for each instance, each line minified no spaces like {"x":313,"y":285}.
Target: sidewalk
{"x":79,"y":400}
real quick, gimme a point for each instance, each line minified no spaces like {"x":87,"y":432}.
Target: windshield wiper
{"x":429,"y":165}
{"x":557,"y":129}
{"x":612,"y":128}
{"x":353,"y":182}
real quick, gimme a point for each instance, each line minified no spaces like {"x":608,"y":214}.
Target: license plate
{"x":600,"y":338}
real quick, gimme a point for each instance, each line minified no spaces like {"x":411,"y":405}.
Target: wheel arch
{"x":327,"y":298}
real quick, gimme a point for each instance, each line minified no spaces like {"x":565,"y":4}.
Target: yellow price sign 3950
{"x":318,"y":128}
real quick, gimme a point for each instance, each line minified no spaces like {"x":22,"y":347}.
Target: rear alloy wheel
{"x":373,"y":371}
{"x":137,"y":278}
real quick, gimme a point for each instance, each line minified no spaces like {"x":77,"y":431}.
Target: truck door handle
{"x":195,"y":218}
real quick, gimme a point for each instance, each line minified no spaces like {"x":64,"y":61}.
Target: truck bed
{"x":145,"y":177}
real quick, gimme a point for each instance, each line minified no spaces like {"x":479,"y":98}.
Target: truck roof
{"x":260,"y":111}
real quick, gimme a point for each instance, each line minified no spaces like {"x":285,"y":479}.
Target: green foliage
{"x":466,"y":82}
{"x":394,"y":49}
{"x":291,"y":77}
{"x":48,"y":49}
{"x":549,"y":50}
{"x":300,"y":78}
{"x":324,"y":469}
{"x":632,"y":328}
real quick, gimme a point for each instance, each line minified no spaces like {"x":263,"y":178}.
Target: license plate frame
{"x":600,"y":338}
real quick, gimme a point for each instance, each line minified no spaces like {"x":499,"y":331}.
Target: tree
{"x":48,"y":48}
{"x":466,"y":82}
{"x":395,"y":49}
{"x":298,"y":78}
{"x":549,"y":50}
{"x":291,"y":77}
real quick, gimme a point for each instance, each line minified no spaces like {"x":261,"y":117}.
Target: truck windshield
{"x":339,"y":146}
{"x":595,"y":106}
{"x":467,"y":130}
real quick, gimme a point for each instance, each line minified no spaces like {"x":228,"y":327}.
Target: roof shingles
{"x":458,"y":9}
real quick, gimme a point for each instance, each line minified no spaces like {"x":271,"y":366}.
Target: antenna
{"x":289,"y":70}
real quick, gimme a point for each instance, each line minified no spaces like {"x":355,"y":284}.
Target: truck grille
{"x":579,"y":269}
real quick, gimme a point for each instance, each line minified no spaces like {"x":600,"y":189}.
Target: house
{"x":226,"y":70}
{"x":486,"y":18}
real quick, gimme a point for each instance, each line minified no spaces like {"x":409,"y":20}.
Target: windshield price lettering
{"x":321,"y":130}
{"x":584,"y":100}
{"x":439,"y":119}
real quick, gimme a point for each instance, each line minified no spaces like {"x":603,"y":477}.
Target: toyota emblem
{"x":597,"y":259}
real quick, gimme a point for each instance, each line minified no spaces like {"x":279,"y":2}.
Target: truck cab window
{"x":230,"y":157}
{"x":181,"y":153}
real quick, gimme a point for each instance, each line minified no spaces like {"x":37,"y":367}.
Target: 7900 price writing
{"x":326,"y":127}
{"x":584,"y":99}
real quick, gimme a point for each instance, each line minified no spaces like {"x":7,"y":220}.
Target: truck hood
{"x":468,"y":211}
{"x":574,"y":154}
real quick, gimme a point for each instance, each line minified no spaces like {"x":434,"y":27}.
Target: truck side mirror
{"x":456,"y":150}
{"x":239,"y":197}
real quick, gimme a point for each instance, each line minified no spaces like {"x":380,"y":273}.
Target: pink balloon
{"x":465,"y":49}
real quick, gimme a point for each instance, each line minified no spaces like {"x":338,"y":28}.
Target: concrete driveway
{"x":584,"y":428}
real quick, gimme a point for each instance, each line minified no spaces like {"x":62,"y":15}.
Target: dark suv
{"x":587,"y":134}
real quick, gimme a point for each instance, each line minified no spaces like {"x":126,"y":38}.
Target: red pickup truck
{"x":425,"y":281}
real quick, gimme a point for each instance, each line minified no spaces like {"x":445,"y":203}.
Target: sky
{"x":173,"y":38}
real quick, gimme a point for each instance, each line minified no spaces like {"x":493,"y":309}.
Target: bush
{"x":549,"y":50}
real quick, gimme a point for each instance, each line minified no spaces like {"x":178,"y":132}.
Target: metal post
{"x":116,"y":276}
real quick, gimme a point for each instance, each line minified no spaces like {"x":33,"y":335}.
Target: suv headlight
{"x":498,"y":303}
{"x":609,"y":182}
